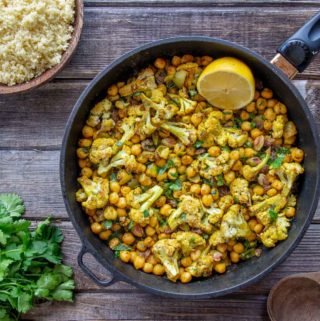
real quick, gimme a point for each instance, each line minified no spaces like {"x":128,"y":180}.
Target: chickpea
{"x":113,"y":90}
{"x":145,"y":180}
{"x":191,"y":150}
{"x":148,"y":267}
{"x":114,"y":186}
{"x":249,"y":152}
{"x":196,"y":119}
{"x":290,"y":212}
{"x":85,"y":142}
{"x":84,"y":163}
{"x":234,"y":155}
{"x":113,"y":243}
{"x":158,"y":269}
{"x":104,"y":235}
{"x":272,"y":192}
{"x":165,"y":210}
{"x":141,"y":246}
{"x":238,"y":248}
{"x":135,"y":139}
{"x":182,"y":169}
{"x":186,"y":159}
{"x":261,"y":103}
{"x":133,"y":255}
{"x":185,"y":277}
{"x":258,"y":228}
{"x":152,"y":260}
{"x":297,"y":154}
{"x":256,"y":95}
{"x":160,"y":63}
{"x":269,"y":114}
{"x":125,"y":256}
{"x":86,"y":171}
{"x":283,"y":109}
{"x":229,"y":177}
{"x":121,"y":212}
{"x":186,"y":58}
{"x":205,"y":189}
{"x":271,"y":102}
{"x":220,"y":267}
{"x":150,"y":231}
{"x":195,"y":189}
{"x":251,"y":107}
{"x":128,"y":238}
{"x":116,"y":227}
{"x":186,"y":261}
{"x":237,"y":166}
{"x":163,"y":236}
{"x":195,"y":255}
{"x":222,"y":247}
{"x":139,"y":262}
{"x":172,"y":173}
{"x":255,"y":132}
{"x":153,"y":221}
{"x":234,"y":257}
{"x":214,"y":151}
{"x":252,"y":223}
{"x":176,"y":61}
{"x":191,"y":172}
{"x":113,"y":198}
{"x":161,"y":162}
{"x":244,"y":115}
{"x":246,"y":126}
{"x":207,"y":200}
{"x":148,"y":241}
{"x":205,"y":60}
{"x":277,"y":185}
{"x":136,"y":149}
{"x":125,"y":190}
{"x":162,"y":177}
{"x":267,"y":124}
{"x":160,"y":201}
{"x":96,"y":227}
{"x":82,"y":152}
{"x":258,"y":190}
{"x":267,"y":93}
{"x":87,"y":131}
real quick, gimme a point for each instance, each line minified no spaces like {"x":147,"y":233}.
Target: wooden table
{"x":32,"y":126}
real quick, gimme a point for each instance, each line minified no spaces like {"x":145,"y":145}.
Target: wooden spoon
{"x":52,"y":72}
{"x":296,"y":298}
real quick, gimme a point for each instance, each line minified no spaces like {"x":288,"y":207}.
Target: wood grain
{"x":21,"y":128}
{"x":111,"y":31}
{"x":34,"y":174}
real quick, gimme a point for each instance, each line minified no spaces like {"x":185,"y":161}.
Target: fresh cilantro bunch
{"x":30,"y":261}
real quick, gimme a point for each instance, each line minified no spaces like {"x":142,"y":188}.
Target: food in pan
{"x":33,"y":36}
{"x":176,"y":186}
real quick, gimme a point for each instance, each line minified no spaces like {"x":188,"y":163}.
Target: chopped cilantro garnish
{"x":281,"y":154}
{"x":273,"y":215}
{"x":121,"y":247}
{"x":137,"y":93}
{"x":226,"y":148}
{"x":248,"y":144}
{"x":192,"y":92}
{"x":107,"y":224}
{"x":198,"y":144}
{"x":253,"y":124}
{"x":183,"y":216}
{"x":168,"y":165}
{"x":131,"y":225}
{"x":220,"y":180}
{"x":146,"y":213}
{"x":113,"y":177}
{"x":119,"y":144}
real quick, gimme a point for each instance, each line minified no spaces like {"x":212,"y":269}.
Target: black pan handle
{"x":303,"y":46}
{"x":89,"y":273}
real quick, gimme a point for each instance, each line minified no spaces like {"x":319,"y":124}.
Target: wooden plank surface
{"x":260,"y":29}
{"x":20,"y":115}
{"x":32,"y":126}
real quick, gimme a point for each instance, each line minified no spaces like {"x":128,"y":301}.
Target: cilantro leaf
{"x":146,"y":213}
{"x":198,"y":144}
{"x":273,"y":215}
{"x":11,"y":205}
{"x":220,"y":180}
{"x":107,"y":224}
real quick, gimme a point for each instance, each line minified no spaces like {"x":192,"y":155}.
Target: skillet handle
{"x":300,"y":49}
{"x":90,"y":274}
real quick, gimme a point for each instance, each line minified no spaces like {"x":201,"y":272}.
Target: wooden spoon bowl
{"x":52,"y":72}
{"x":296,"y":298}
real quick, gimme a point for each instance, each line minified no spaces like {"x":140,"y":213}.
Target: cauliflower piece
{"x":141,"y":210}
{"x":102,"y":149}
{"x":290,"y":132}
{"x":239,"y":189}
{"x":225,"y":202}
{"x":168,"y":251}
{"x":214,"y":213}
{"x":278,"y":126}
{"x":144,"y":126}
{"x":261,"y":209}
{"x":214,"y":166}
{"x":96,"y":190}
{"x":236,"y":137}
{"x":128,"y":129}
{"x":190,"y":211}
{"x":288,"y":173}
{"x":189,"y":241}
{"x":119,"y":160}
{"x":101,"y":110}
{"x":203,"y":266}
{"x":233,"y":226}
{"x":250,"y":173}
{"x":278,"y":231}
{"x":186,"y":133}
{"x":106,"y":125}
{"x":186,"y":106}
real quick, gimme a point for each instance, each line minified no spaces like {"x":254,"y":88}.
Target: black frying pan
{"x":293,"y":55}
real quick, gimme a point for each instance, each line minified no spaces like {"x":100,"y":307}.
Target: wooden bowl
{"x":52,"y":72}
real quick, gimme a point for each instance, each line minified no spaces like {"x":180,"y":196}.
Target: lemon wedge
{"x":227,"y":83}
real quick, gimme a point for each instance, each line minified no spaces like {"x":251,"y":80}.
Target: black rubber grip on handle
{"x":303,"y":46}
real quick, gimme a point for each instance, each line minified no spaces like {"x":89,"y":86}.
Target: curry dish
{"x":180,"y":188}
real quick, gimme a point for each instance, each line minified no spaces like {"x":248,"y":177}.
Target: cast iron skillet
{"x":298,"y":50}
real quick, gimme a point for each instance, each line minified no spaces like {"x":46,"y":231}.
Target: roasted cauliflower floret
{"x":203,"y":266}
{"x":102,"y":149}
{"x":96,"y":190}
{"x":168,"y":251}
{"x":141,"y":210}
{"x":100,"y":110}
{"x":277,"y":231}
{"x":186,"y":106}
{"x":250,"y":173}
{"x":288,"y":173}
{"x":239,"y":189}
{"x":233,"y":226}
{"x":214,"y":213}
{"x":186,"y":133}
{"x":278,"y":126}
{"x":189,"y":241}
{"x":128,"y":128}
